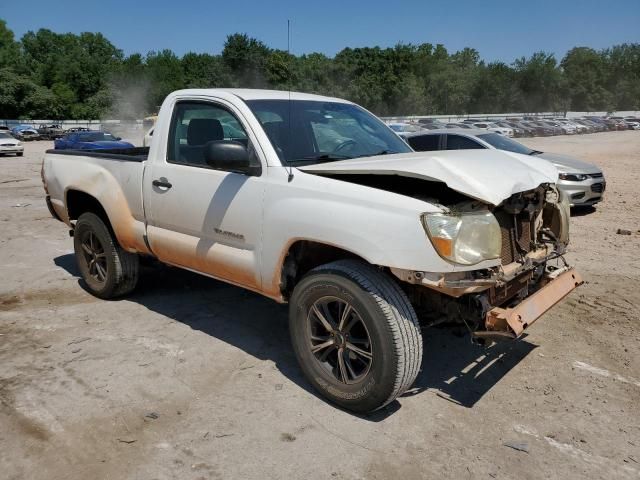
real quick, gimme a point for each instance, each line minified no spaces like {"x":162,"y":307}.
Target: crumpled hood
{"x":569,"y":164}
{"x":491,"y":176}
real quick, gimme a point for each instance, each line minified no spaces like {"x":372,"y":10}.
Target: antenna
{"x":289,"y":89}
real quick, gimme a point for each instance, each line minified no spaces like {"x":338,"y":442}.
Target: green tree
{"x":9,"y":49}
{"x":541,"y":82}
{"x":495,"y":90}
{"x":585,"y":71}
{"x":246,"y":57}
{"x":165,"y":75}
{"x":202,"y":70}
{"x":623,"y":75}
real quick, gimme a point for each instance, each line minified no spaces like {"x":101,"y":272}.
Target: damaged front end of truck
{"x":529,"y":233}
{"x":500,"y":224}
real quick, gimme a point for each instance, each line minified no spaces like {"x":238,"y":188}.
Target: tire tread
{"x":126,"y":263}
{"x":401,"y":318}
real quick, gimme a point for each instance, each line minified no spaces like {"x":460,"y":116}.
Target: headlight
{"x":573,"y":177}
{"x":464,"y":238}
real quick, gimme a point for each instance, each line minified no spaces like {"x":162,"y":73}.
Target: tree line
{"x":68,"y":76}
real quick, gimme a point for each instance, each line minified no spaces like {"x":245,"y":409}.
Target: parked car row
{"x":526,"y":126}
{"x":77,"y":138}
{"x":27,"y":132}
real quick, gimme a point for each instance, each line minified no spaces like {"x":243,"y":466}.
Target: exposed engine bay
{"x":534,"y":227}
{"x":534,"y":233}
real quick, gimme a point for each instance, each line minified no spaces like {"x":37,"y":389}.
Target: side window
{"x":458,"y":142}
{"x":194,"y":124}
{"x":425,"y":143}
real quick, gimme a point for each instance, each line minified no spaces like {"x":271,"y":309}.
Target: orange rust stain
{"x":273,"y":289}
{"x":181,"y":254}
{"x":123,"y":224}
{"x":530,"y":309}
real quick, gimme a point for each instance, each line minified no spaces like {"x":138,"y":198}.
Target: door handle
{"x":161,"y":183}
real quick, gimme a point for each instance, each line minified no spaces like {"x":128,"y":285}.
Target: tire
{"x":114,"y":271}
{"x":379,"y":310}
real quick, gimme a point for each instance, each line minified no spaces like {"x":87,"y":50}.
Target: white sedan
{"x":492,"y":127}
{"x":9,"y":144}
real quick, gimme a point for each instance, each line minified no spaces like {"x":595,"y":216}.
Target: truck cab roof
{"x":257,"y":94}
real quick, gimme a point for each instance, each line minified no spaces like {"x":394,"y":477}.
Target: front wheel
{"x":355,"y":335}
{"x":107,"y":269}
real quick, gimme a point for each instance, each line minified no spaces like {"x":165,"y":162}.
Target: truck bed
{"x":135,"y":154}
{"x":113,"y":177}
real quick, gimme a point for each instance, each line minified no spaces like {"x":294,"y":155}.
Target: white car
{"x":492,"y":127}
{"x":567,"y":127}
{"x":10,"y":145}
{"x":632,"y":123}
{"x":146,"y":141}
{"x":576,"y":127}
{"x":315,"y":202}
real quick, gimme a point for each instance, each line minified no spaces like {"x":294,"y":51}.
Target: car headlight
{"x":464,"y":238}
{"x":573,"y":177}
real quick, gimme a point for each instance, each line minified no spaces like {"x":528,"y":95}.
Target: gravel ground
{"x":190,"y":378}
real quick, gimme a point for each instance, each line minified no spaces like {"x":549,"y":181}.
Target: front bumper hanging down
{"x":512,"y":322}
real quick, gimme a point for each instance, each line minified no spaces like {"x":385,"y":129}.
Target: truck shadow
{"x":463,"y":372}
{"x":452,"y":367}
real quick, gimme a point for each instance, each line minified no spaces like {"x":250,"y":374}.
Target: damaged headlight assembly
{"x":465,"y":238}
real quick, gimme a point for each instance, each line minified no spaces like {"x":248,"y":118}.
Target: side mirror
{"x":118,"y":138}
{"x":231,"y":156}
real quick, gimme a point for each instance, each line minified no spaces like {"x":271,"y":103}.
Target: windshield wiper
{"x":324,"y":157}
{"x":535,"y":152}
{"x":381,"y":152}
{"x":334,"y":157}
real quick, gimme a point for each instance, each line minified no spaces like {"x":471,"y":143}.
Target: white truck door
{"x":199,"y":218}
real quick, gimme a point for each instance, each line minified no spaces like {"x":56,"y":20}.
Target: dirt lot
{"x":190,"y":378}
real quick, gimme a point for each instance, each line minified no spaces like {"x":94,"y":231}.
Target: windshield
{"x":5,"y":135}
{"x":95,"y":137}
{"x":505,"y":143}
{"x":323,"y":131}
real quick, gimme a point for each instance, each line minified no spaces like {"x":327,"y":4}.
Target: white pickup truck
{"x":316,"y":202}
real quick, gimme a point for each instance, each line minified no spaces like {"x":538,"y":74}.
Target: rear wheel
{"x":355,"y":335}
{"x":107,"y":269}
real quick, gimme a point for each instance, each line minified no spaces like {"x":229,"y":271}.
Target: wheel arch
{"x":302,"y":255}
{"x":115,"y":214}
{"x":79,"y":202}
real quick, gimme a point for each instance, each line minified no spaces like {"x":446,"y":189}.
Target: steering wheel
{"x":344,"y":144}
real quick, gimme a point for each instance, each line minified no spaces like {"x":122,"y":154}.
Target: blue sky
{"x":499,"y":30}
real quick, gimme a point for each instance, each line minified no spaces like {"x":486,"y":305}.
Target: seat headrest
{"x":203,"y":130}
{"x":275,"y":134}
